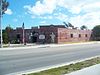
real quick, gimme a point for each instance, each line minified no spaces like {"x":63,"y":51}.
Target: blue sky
{"x":46,"y":12}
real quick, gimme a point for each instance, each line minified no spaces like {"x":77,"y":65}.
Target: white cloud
{"x":46,"y":17}
{"x":47,"y":7}
{"x":50,"y":17}
{"x":43,"y":17}
{"x":83,"y":12}
{"x":77,"y":21}
{"x":43,"y":22}
{"x":9,"y":12}
{"x":75,"y":10}
{"x":73,"y":6}
{"x":76,"y":6}
{"x":92,"y":7}
{"x":33,"y":17}
{"x":89,"y":19}
{"x":61,"y":16}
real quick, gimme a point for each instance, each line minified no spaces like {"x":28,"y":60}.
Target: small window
{"x":18,"y":36}
{"x":85,"y":35}
{"x":79,"y":35}
{"x":71,"y":35}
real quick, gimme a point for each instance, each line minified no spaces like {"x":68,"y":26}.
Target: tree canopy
{"x":5,"y":5}
{"x":83,"y":27}
{"x":96,"y":32}
{"x":6,"y":32}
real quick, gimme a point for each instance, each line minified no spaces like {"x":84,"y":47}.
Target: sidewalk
{"x":21,"y":46}
{"x":93,"y":70}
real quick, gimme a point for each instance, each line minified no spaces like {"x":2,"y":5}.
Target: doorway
{"x":34,"y":39}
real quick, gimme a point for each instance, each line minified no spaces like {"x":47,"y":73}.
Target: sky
{"x":47,"y":12}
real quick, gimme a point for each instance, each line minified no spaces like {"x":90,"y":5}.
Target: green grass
{"x":68,"y":68}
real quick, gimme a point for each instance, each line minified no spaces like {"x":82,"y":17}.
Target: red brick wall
{"x":64,"y":35}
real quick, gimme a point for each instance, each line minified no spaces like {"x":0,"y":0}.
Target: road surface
{"x":16,"y":60}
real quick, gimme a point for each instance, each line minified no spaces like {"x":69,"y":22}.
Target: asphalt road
{"x":32,"y":58}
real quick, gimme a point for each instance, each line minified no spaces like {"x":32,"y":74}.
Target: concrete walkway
{"x":93,"y":70}
{"x":21,"y":46}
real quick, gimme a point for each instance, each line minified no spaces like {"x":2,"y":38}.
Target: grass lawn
{"x":69,"y":68}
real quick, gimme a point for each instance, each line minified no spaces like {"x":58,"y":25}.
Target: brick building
{"x":63,"y":34}
{"x":52,"y":33}
{"x":16,"y":36}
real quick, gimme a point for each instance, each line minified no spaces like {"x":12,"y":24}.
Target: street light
{"x":0,"y":23}
{"x":3,"y":7}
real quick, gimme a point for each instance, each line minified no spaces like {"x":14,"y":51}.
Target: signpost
{"x":23,"y":34}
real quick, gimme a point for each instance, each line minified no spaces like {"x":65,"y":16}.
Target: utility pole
{"x":3,"y":7}
{"x":23,"y":33}
{"x":1,"y":24}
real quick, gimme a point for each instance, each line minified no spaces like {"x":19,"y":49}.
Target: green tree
{"x":5,"y":5}
{"x":96,"y":32}
{"x":6,"y":33}
{"x":5,"y":37}
{"x":8,"y":29}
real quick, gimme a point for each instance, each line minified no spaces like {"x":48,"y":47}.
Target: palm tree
{"x":3,"y":7}
{"x":83,"y":27}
